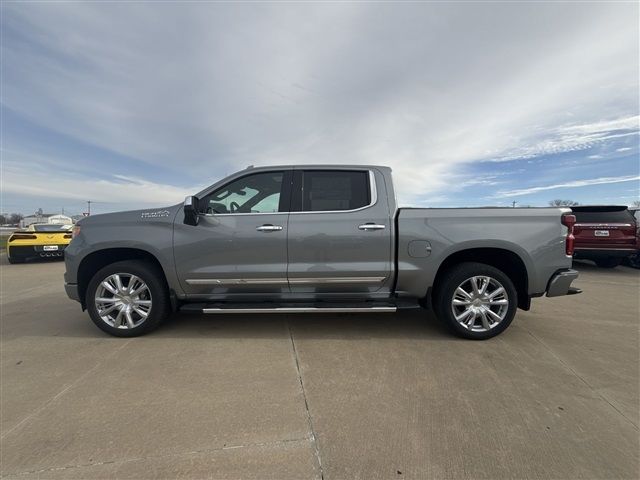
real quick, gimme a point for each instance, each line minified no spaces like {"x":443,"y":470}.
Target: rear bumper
{"x":560,"y":283}
{"x":595,"y":253}
{"x":25,"y":252}
{"x":72,"y":291}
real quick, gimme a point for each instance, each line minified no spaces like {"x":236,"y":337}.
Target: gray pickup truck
{"x":322,"y":238}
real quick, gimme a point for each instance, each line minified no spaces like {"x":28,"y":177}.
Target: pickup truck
{"x":322,"y":238}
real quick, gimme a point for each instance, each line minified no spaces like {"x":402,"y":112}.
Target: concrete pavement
{"x":320,"y":396}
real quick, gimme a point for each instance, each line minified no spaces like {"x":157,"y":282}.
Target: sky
{"x":136,"y":104}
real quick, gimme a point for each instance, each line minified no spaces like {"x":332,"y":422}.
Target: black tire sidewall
{"x":154,"y":279}
{"x":453,"y":278}
{"x":634,"y":260}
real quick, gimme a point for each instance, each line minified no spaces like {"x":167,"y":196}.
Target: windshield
{"x":602,"y":215}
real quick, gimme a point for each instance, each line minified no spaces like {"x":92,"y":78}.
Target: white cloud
{"x":569,"y":138}
{"x":572,"y":184}
{"x":423,"y":88}
{"x":120,"y":189}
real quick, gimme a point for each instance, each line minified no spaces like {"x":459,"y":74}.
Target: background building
{"x":39,"y":217}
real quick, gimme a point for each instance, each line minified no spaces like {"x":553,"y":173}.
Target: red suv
{"x":604,"y":234}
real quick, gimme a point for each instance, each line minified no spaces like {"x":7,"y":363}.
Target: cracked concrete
{"x":314,"y":438}
{"x":325,"y":396}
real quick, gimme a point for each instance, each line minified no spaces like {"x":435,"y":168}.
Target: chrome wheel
{"x":480,"y":303}
{"x":123,"y":301}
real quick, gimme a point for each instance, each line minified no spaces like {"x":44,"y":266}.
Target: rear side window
{"x":603,"y":216}
{"x":335,"y":190}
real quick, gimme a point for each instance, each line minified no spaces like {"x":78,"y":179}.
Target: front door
{"x":240,"y":243}
{"x":339,"y":233}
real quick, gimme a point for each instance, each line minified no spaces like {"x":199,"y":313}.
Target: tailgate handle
{"x":371,"y":226}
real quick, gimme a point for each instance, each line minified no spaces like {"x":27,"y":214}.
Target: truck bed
{"x":427,"y":236}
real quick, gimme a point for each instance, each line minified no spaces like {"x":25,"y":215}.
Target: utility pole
{"x":88,"y":208}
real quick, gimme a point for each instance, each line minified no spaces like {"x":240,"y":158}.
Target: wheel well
{"x":505,"y":260}
{"x":97,"y":260}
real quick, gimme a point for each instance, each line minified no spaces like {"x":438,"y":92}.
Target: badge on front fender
{"x":156,"y":214}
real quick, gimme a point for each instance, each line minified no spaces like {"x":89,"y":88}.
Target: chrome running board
{"x":367,"y":306}
{"x":301,"y":310}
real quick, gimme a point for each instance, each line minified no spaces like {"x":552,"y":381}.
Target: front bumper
{"x":560,"y":283}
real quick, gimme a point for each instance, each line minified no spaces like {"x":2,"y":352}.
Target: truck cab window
{"x":331,"y":190}
{"x":257,"y":193}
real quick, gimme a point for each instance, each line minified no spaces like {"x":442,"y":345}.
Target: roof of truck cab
{"x":317,"y":166}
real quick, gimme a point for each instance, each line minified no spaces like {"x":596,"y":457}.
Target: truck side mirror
{"x":191,"y":210}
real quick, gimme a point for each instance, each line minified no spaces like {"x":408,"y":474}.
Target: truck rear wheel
{"x":128,"y":298}
{"x":475,"y":300}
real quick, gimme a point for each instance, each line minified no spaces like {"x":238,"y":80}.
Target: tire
{"x":474,"y":321}
{"x":14,"y":260}
{"x":126,"y":308}
{"x":634,"y":260}
{"x":608,"y":262}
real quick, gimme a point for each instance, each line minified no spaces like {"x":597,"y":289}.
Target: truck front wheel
{"x":475,"y":300}
{"x":127,"y":298}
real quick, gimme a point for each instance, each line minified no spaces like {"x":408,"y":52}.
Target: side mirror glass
{"x":191,"y":210}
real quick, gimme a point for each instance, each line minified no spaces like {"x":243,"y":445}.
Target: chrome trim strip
{"x":236,"y":281}
{"x":324,"y":280}
{"x":609,"y":226}
{"x":282,"y":281}
{"x":302,"y":310}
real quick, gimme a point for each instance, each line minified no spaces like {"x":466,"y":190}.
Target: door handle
{"x":371,"y":226}
{"x":269,"y":228}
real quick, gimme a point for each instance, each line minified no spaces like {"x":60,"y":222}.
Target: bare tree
{"x":15,"y":218}
{"x":563,"y":203}
{"x":636,"y":204}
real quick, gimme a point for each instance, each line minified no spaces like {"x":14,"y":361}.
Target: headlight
{"x":76,"y":231}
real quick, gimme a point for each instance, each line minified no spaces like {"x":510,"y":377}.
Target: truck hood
{"x":160,"y":214}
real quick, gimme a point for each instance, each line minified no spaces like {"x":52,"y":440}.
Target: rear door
{"x":340,"y":230}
